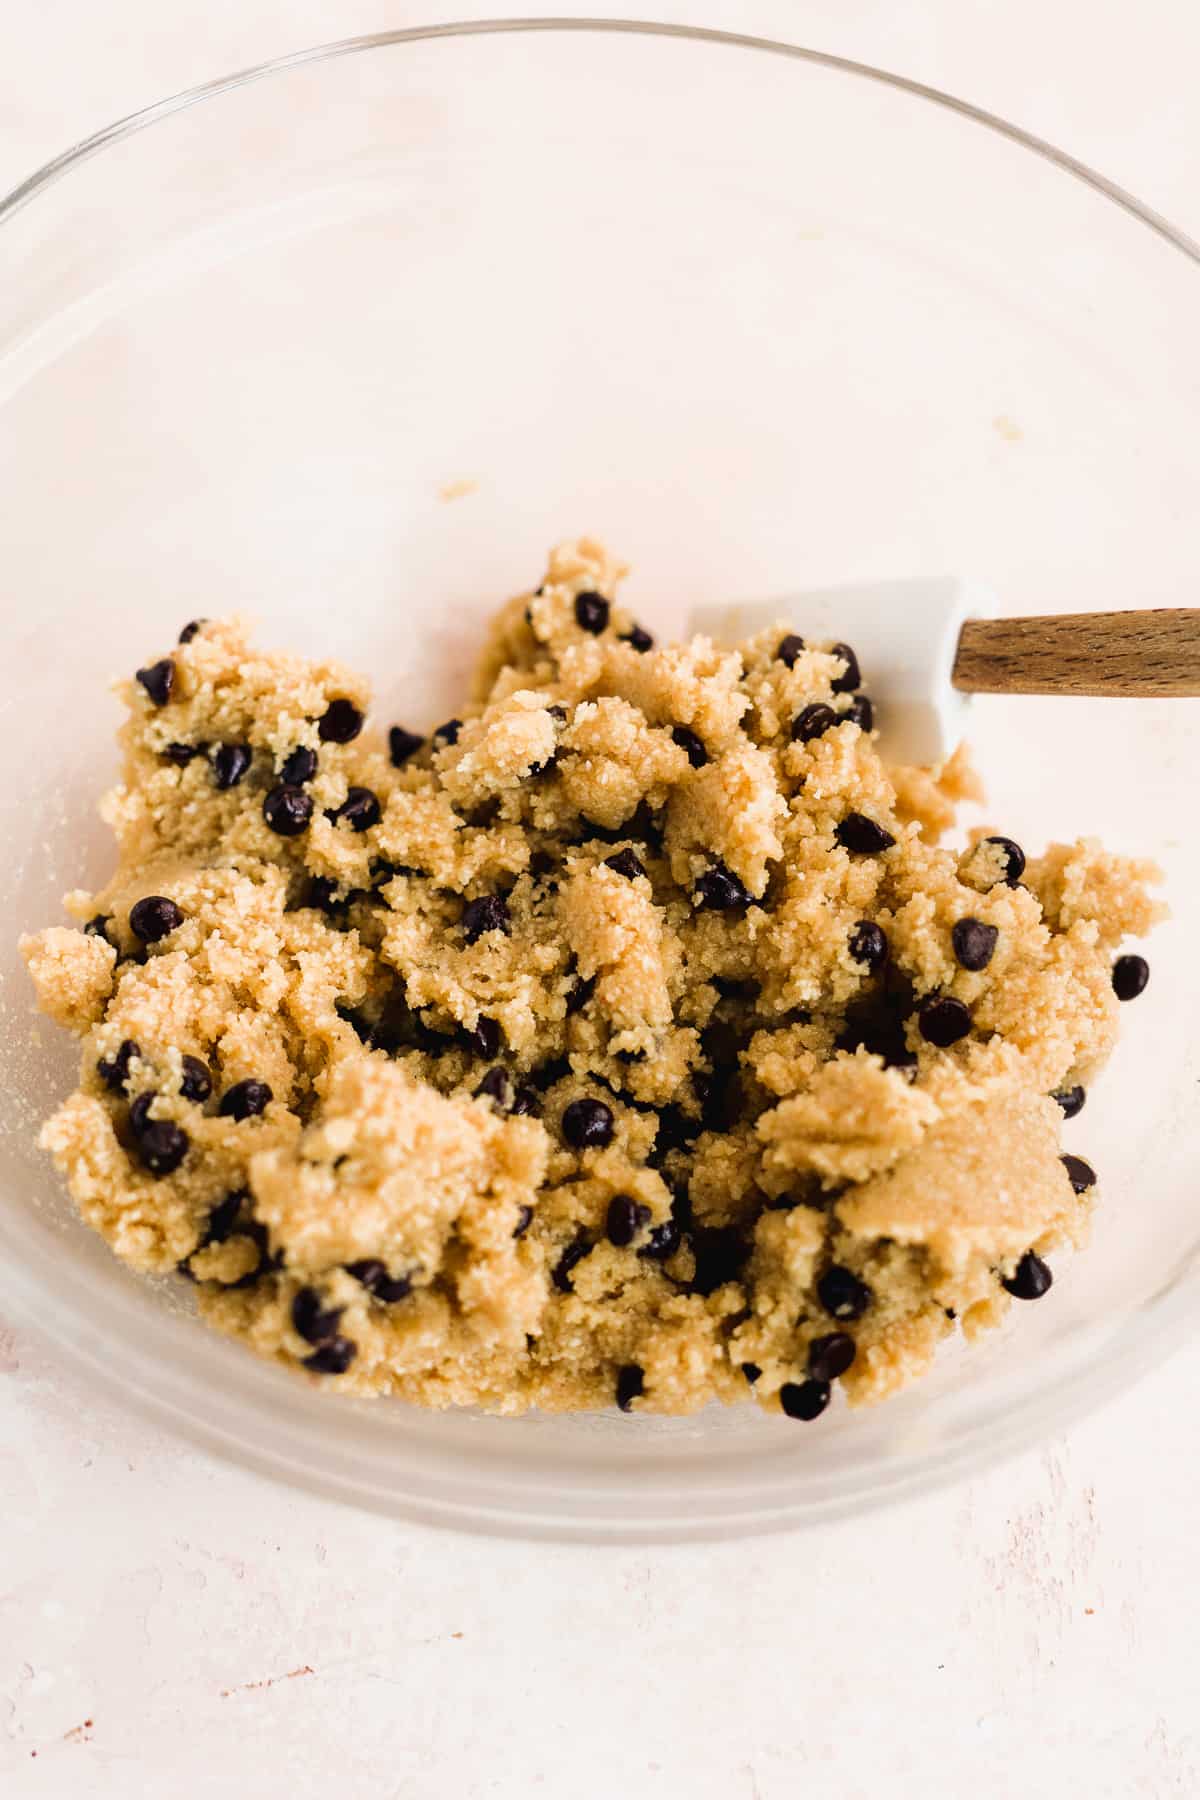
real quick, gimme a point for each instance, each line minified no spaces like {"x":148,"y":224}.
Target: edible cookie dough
{"x":629,"y":1038}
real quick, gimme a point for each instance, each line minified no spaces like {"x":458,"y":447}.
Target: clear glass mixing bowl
{"x":761,"y":320}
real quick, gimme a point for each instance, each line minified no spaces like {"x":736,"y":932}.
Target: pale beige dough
{"x":775,"y":1110}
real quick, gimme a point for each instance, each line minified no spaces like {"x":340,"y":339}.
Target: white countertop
{"x":171,"y":1626}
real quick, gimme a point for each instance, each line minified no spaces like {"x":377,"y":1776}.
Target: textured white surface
{"x":171,"y":1626}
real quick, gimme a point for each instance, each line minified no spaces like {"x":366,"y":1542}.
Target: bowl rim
{"x":1165,"y":1319}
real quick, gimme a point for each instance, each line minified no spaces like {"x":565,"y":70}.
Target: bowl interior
{"x":347,"y":348}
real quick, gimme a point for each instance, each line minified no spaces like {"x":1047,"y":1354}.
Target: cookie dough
{"x":629,"y":1038}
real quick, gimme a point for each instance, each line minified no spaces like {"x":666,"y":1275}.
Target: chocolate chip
{"x":403,"y":744}
{"x":579,"y":993}
{"x":587,"y":1124}
{"x":483,"y":1037}
{"x":190,"y":629}
{"x":591,"y":612}
{"x":852,"y":676}
{"x":804,"y":1399}
{"x":196,"y":1081}
{"x":1030,"y":1279}
{"x":625,"y":863}
{"x":831,"y":1356}
{"x":719,"y":890}
{"x":862,"y":835}
{"x":98,"y":926}
{"x":789,"y":649}
{"x":333,"y":1358}
{"x":1012,"y":858}
{"x":842,"y":1293}
{"x":751,"y":1371}
{"x":315,"y":1323}
{"x":158,"y":680}
{"x":625,"y":1218}
{"x":720,"y":1253}
{"x":114,"y":1071}
{"x":374,"y":1277}
{"x":813,"y":722}
{"x":245,"y":1100}
{"x":230,"y":763}
{"x":641,"y":640}
{"x":861,"y":712}
{"x":943,"y":1020}
{"x":340,"y":723}
{"x":287,"y":810}
{"x":1081,"y":1174}
{"x":663,"y":1241}
{"x":299,"y":766}
{"x":527,"y":1103}
{"x":446,"y":734}
{"x":154,"y":918}
{"x":974,"y":943}
{"x":1071,"y":1100}
{"x":1129,"y":976}
{"x":496,"y":1085}
{"x":631,"y":1381}
{"x":488,"y":913}
{"x":869,"y":945}
{"x":524,"y":1221}
{"x":223,"y":1217}
{"x":563,"y":1272}
{"x":139,"y":1113}
{"x":360,"y":809}
{"x":691,"y":746}
{"x":181,"y":754}
{"x":162,"y":1146}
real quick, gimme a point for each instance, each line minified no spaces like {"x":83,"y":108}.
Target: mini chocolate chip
{"x":340,"y":723}
{"x":446,"y":734}
{"x":852,"y":677}
{"x":374,"y":1277}
{"x":403,"y":744}
{"x":591,"y":612}
{"x":181,"y":754}
{"x":483,"y":1037}
{"x":527,"y":1103}
{"x":641,"y":640}
{"x":831,"y":1356}
{"x":1081,"y":1174}
{"x":139,"y":1113}
{"x":488,"y":913}
{"x":162,"y":1146}
{"x":563,"y":1272}
{"x":751,"y":1371}
{"x":1071,"y":1100}
{"x":862,"y":835}
{"x":631,"y":1381}
{"x":587,"y":1124}
{"x":813,"y":722}
{"x":190,"y":629}
{"x":230,"y":763}
{"x":579,"y":993}
{"x":158,"y":680}
{"x":524,"y":1221}
{"x":625,"y":863}
{"x":804,"y":1399}
{"x":789,"y":649}
{"x":1030,"y":1279}
{"x":299,"y":766}
{"x":691,"y":746}
{"x":842,"y":1293}
{"x":1129,"y":976}
{"x":496,"y":1085}
{"x":974,"y":942}
{"x":114,"y":1072}
{"x":245,"y":1100}
{"x":663,"y":1241}
{"x":869,"y":945}
{"x":97,"y":926}
{"x":943,"y":1020}
{"x":333,"y":1358}
{"x":196,"y":1081}
{"x":360,"y":809}
{"x":625,"y":1218}
{"x":1012,"y":856}
{"x":315,"y":1323}
{"x":223,"y":1217}
{"x":154,"y":918}
{"x":861,"y":712}
{"x":720,"y":1253}
{"x":287,"y":810}
{"x":720,"y":890}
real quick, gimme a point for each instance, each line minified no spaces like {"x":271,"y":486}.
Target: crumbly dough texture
{"x":775,"y":1109}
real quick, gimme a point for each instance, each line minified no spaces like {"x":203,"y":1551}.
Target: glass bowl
{"x":758,"y":318}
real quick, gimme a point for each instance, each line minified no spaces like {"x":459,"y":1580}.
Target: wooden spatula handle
{"x":1121,"y":653}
